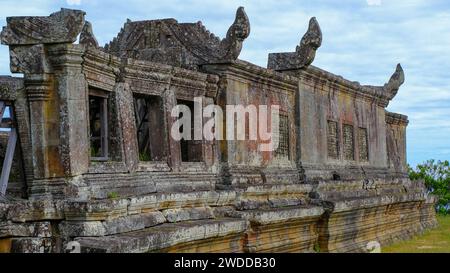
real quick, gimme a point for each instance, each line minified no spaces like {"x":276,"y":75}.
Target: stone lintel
{"x":395,"y":118}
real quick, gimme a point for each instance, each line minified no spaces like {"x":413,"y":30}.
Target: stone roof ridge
{"x":204,"y":31}
{"x":387,"y":91}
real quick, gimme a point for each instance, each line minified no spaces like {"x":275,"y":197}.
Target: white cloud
{"x":374,"y":2}
{"x":73,"y":2}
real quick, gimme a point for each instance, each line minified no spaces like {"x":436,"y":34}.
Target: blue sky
{"x":363,"y":40}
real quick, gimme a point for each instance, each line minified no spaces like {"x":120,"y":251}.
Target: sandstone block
{"x":38,"y":229}
{"x":178,"y":215}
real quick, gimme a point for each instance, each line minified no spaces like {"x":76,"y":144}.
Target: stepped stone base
{"x":351,"y":230}
{"x":325,"y":216}
{"x":169,"y":235}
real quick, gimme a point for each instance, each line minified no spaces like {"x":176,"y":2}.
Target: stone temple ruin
{"x":88,"y":158}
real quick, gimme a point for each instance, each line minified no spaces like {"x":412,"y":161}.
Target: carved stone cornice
{"x":65,"y":56}
{"x":244,"y":70}
{"x":38,"y":87}
{"x":379,"y":94}
{"x":397,"y":119}
{"x":101,"y":69}
{"x":148,"y":71}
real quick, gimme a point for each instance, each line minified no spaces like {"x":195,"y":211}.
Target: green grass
{"x":144,"y":156}
{"x":433,"y":241}
{"x":113,"y":195}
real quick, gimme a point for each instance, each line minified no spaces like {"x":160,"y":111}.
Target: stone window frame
{"x":367,"y":145}
{"x":174,"y":161}
{"x":338,"y":140}
{"x":149,"y":89}
{"x":150,"y":163}
{"x":344,"y":125}
{"x":191,"y":164}
{"x":286,"y":151}
{"x":104,"y":135}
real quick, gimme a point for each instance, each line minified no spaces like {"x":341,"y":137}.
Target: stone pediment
{"x":180,"y":44}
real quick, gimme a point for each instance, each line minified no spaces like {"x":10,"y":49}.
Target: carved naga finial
{"x":87,"y":37}
{"x":60,"y":27}
{"x":396,"y":80}
{"x":311,"y":41}
{"x":304,"y":53}
{"x":236,"y":34}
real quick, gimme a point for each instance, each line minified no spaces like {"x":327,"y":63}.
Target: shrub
{"x":113,"y":195}
{"x":436,"y":175}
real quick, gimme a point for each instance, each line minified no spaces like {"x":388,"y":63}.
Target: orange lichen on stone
{"x":5,"y":245}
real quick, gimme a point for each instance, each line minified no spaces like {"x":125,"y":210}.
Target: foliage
{"x":317,"y":247}
{"x":436,"y":175}
{"x":113,"y":195}
{"x":93,"y":151}
{"x":145,"y":156}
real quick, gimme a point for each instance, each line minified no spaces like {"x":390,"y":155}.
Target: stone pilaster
{"x":170,"y":101}
{"x":71,"y":92}
{"x":44,"y":119}
{"x":209,"y":149}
